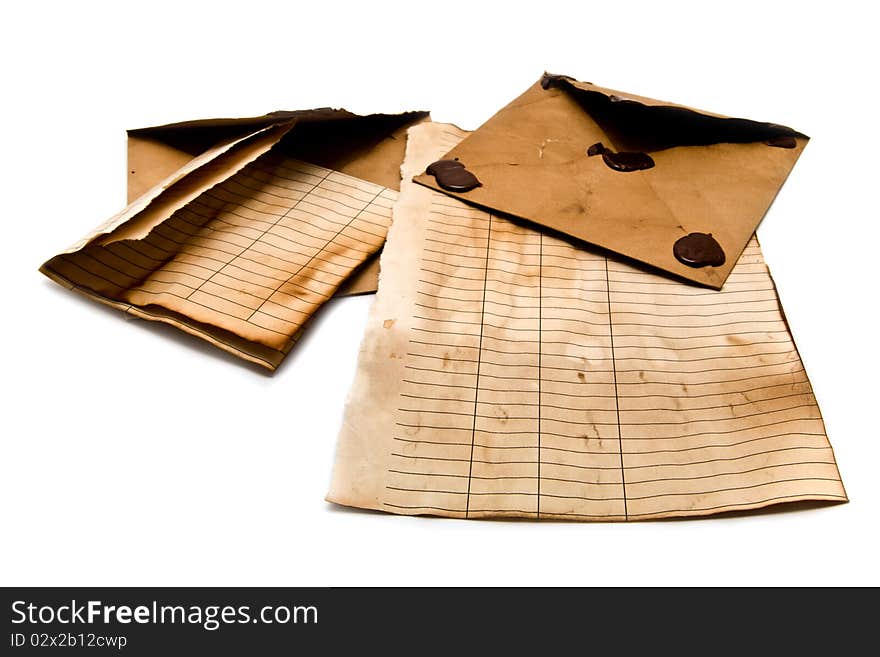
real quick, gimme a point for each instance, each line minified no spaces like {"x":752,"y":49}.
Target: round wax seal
{"x":443,"y":165}
{"x":699,"y":250}
{"x":452,"y":176}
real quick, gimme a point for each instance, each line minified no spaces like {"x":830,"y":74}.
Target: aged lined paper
{"x":506,"y":372}
{"x":246,"y":262}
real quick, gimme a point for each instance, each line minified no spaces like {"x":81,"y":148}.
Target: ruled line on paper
{"x":596,"y":390}
{"x":540,"y":366}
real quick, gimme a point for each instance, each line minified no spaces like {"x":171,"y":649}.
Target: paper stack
{"x":574,"y":319}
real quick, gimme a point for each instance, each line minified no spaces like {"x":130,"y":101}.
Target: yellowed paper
{"x":150,"y":161}
{"x":506,"y":372}
{"x":241,"y":257}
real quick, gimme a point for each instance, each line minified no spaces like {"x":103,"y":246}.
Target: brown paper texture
{"x":712,"y":174}
{"x":507,"y":372}
{"x":242,"y":244}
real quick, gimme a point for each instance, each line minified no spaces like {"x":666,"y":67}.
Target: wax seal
{"x":699,"y":250}
{"x":625,"y":161}
{"x":452,"y":176}
{"x":442,"y":165}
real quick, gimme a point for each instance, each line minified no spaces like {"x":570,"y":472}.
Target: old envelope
{"x":264,"y":220}
{"x":631,"y":174}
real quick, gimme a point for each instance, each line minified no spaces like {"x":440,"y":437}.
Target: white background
{"x":134,"y":455}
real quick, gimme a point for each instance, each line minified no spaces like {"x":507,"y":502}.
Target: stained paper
{"x":507,"y":371}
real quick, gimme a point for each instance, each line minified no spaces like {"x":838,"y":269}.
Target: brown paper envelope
{"x":711,"y":174}
{"x":118,"y":263}
{"x":157,"y":152}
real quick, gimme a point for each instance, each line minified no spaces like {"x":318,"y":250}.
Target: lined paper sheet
{"x":249,"y":260}
{"x":506,"y":372}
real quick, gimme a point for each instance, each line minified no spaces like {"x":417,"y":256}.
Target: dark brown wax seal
{"x":624,"y":161}
{"x":452,"y":176}
{"x":699,"y":250}
{"x":628,"y":161}
{"x":782,"y":142}
{"x":440,"y":165}
{"x":596,"y":149}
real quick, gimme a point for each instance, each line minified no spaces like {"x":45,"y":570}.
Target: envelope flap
{"x":156,"y":152}
{"x":198,"y":135}
{"x":708,"y":174}
{"x":368,"y":147}
{"x":645,"y":124}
